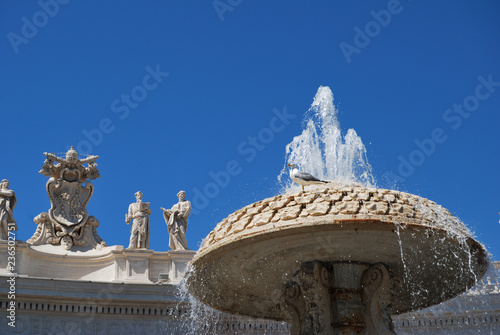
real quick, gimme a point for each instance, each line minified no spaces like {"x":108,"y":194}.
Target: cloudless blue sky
{"x":223,"y":71}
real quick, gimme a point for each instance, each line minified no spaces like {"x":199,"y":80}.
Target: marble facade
{"x":120,"y":291}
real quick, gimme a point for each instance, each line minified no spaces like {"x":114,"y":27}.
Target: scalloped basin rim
{"x":353,"y":221}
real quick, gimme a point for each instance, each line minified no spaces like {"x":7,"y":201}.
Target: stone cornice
{"x":111,"y":264}
{"x":70,"y":290}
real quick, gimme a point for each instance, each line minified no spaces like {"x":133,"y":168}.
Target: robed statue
{"x":138,"y":214}
{"x":7,"y":204}
{"x":176,"y":219}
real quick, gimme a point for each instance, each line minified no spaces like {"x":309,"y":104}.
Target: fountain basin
{"x":247,"y":261}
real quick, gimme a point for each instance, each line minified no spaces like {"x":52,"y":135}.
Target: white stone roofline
{"x":111,"y":264}
{"x":70,"y":290}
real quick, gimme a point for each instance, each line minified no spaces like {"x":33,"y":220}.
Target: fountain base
{"x":340,"y":298}
{"x":328,"y":260}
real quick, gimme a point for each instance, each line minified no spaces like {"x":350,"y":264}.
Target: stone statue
{"x":7,"y":204}
{"x":176,"y":220}
{"x":138,"y":213}
{"x":69,"y":197}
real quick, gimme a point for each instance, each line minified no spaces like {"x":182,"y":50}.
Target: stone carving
{"x":176,"y":219}
{"x":337,"y":202}
{"x":138,"y":214}
{"x":66,"y":242}
{"x":69,"y":190}
{"x":324,"y":299}
{"x":44,"y":233}
{"x":7,"y":204}
{"x":309,"y":297}
{"x":378,"y":289}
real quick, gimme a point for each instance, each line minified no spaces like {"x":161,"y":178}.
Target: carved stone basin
{"x":336,"y":260}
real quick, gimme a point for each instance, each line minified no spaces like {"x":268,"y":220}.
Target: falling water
{"x":322,"y":150}
{"x":405,"y":271}
{"x":472,"y":312}
{"x":201,"y":319}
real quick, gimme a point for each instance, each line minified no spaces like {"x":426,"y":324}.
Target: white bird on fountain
{"x":303,"y":178}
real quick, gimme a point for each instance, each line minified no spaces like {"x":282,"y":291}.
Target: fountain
{"x":339,"y":258}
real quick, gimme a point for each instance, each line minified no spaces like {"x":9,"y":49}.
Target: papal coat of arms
{"x":67,"y":222}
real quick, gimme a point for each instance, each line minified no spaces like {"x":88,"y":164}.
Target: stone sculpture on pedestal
{"x":68,"y":218}
{"x":176,"y":219}
{"x":7,"y":204}
{"x":138,"y":213}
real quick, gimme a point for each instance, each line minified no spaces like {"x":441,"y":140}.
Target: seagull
{"x":303,"y":178}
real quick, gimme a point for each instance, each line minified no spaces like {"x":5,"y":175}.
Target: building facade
{"x":121,"y":291}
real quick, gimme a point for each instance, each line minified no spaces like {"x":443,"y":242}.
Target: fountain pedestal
{"x":340,"y":298}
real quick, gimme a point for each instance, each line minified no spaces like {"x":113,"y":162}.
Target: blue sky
{"x":182,"y":95}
